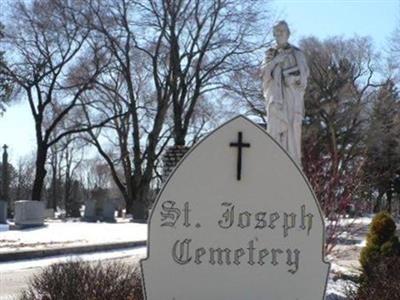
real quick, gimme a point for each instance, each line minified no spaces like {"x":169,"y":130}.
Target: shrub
{"x":380,"y":262}
{"x":381,"y":242}
{"x":77,"y":280}
{"x":382,"y":284}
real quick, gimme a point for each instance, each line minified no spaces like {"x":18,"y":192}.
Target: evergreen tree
{"x":334,"y":125}
{"x":382,"y":166}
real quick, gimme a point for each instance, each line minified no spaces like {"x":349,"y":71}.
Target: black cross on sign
{"x":240,"y":145}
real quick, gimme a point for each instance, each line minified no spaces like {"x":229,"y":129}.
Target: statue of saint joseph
{"x":284,"y":74}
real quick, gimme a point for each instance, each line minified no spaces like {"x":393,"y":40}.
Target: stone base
{"x":25,"y":226}
{"x":107,"y":220}
{"x":140,"y":221}
{"x":89,"y":219}
{"x":29,"y":213}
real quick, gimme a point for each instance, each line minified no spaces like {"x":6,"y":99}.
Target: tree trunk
{"x":128,"y":197}
{"x":67,"y":196}
{"x":138,"y":205}
{"x":179,"y":138}
{"x":377,"y":206}
{"x":389,"y":196}
{"x":40,"y":172}
{"x":53,"y":201}
{"x":139,"y":211}
{"x":129,"y":206}
{"x":179,"y":131}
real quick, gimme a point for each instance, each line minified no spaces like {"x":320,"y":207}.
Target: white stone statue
{"x":284,"y":74}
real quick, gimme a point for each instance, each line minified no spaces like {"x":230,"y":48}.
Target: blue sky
{"x":323,"y":18}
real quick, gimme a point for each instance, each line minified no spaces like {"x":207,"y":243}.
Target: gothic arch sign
{"x":236,"y":220}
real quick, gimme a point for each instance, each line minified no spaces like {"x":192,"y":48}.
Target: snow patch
{"x":58,"y":234}
{"x":139,"y":252}
{"x":4,"y":227}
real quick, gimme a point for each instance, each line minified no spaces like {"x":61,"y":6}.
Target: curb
{"x":31,"y":254}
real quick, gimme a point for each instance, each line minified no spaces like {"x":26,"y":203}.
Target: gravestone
{"x":3,"y":212}
{"x":236,"y":220}
{"x":90,"y":211}
{"x":108,"y":211}
{"x":99,"y":210}
{"x":29,"y":213}
{"x":49,"y":213}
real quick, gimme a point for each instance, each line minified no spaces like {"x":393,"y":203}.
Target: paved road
{"x":14,"y":277}
{"x":11,"y":283}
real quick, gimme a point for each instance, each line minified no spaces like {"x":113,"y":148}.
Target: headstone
{"x":29,"y":213}
{"x":236,"y":220}
{"x":108,"y":211}
{"x":3,"y":212}
{"x":49,"y":213}
{"x":90,"y":211}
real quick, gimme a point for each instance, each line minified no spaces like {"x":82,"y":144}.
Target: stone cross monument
{"x":4,"y":194}
{"x":284,"y":74}
{"x":4,"y":175}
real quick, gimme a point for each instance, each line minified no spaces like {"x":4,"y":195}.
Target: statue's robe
{"x":283,"y":88}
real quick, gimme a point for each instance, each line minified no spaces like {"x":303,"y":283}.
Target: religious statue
{"x":284,"y":74}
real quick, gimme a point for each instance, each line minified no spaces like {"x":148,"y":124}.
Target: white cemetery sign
{"x":236,"y":220}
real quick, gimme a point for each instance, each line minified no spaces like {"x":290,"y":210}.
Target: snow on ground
{"x":4,"y":227}
{"x":43,"y":262}
{"x":344,"y":258}
{"x":336,"y":289}
{"x":57,"y":234}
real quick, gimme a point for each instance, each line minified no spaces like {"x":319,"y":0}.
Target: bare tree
{"x":203,"y":42}
{"x":115,"y":143}
{"x":72,"y":155}
{"x":22,"y":186}
{"x":166,"y":54}
{"x":394,"y":53}
{"x":244,"y":88}
{"x":132,"y":87}
{"x":54,"y":161}
{"x":97,"y":173}
{"x":53,"y":64}
{"x":5,"y":83}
